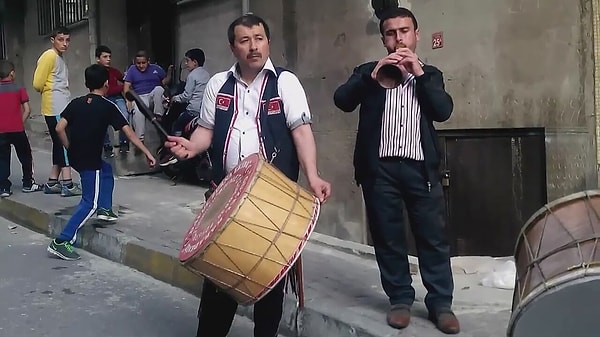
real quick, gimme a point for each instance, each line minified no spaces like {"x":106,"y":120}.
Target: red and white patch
{"x":274,"y":106}
{"x":223,"y":102}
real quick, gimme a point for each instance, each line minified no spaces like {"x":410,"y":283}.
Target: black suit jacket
{"x":436,"y":105}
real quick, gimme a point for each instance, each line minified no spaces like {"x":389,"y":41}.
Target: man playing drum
{"x":254,"y":107}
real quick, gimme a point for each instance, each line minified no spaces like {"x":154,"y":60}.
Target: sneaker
{"x":5,"y":193}
{"x":124,"y":148}
{"x":108,"y":152}
{"x":54,"y":189}
{"x":70,"y":192}
{"x":106,"y":215}
{"x":168,"y":160}
{"x":33,"y":188}
{"x":63,"y":250}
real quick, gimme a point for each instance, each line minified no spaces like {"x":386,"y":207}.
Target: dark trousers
{"x":59,"y":153}
{"x":179,"y":126}
{"x":400,"y":180}
{"x":217,"y":310}
{"x":21,"y":143}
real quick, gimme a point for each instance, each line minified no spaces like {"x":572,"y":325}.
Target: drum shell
{"x":261,"y":238}
{"x":557,"y":248}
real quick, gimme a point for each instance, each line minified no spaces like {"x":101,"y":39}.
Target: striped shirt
{"x":400,"y":129}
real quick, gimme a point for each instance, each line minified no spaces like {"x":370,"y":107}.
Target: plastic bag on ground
{"x":502,"y":277}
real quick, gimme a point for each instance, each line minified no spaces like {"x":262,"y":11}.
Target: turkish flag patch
{"x":274,"y":106}
{"x":223,"y":102}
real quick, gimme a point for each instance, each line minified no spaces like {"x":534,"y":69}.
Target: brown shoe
{"x":445,"y":321}
{"x":399,"y":317}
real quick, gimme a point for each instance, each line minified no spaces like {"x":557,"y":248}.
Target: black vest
{"x":275,"y":137}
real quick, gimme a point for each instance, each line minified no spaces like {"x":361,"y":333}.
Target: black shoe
{"x":108,"y":151}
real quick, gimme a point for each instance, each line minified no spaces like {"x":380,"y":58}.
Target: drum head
{"x":219,"y":207}
{"x":569,"y":309}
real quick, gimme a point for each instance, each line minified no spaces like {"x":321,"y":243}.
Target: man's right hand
{"x":392,"y":58}
{"x":180,"y":147}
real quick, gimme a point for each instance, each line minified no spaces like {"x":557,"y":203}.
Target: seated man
{"x":148,"y":81}
{"x":191,"y":95}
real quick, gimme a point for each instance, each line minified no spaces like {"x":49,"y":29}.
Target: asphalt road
{"x":92,"y":297}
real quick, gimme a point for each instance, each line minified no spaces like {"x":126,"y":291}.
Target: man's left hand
{"x":410,"y":61}
{"x":321,"y":188}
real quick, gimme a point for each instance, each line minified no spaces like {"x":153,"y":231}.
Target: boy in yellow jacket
{"x":51,"y":79}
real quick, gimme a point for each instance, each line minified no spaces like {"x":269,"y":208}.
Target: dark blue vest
{"x":275,"y":136}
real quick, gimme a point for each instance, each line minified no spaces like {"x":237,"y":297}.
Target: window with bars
{"x":2,"y":42}
{"x":54,"y":13}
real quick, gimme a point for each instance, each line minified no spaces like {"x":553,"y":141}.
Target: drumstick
{"x":133,"y":96}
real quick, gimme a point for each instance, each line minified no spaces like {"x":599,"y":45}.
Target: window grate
{"x":54,"y":13}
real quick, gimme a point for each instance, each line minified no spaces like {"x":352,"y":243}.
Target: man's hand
{"x":320,"y":187}
{"x":410,"y":61}
{"x":181,"y":147}
{"x":393,"y":59}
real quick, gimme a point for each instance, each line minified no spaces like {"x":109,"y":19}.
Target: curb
{"x":163,"y":264}
{"x":356,"y":248}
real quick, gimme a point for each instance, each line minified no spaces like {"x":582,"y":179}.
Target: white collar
{"x":234,"y":69}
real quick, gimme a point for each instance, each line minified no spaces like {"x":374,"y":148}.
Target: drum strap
{"x":294,"y":282}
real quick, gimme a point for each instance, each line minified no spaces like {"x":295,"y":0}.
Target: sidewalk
{"x":343,"y":291}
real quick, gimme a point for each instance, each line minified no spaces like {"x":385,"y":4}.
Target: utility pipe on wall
{"x":596,"y":30}
{"x":245,"y":6}
{"x":93,"y":28}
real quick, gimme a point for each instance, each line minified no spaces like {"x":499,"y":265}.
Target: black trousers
{"x":59,"y":153}
{"x":23,"y":149}
{"x":400,"y":180}
{"x":217,"y":310}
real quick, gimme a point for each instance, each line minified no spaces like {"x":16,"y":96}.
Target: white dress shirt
{"x":243,"y":139}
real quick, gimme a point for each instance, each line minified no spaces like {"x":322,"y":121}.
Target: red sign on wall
{"x":437,"y":40}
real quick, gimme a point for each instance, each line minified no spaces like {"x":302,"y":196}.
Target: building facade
{"x":521,"y":73}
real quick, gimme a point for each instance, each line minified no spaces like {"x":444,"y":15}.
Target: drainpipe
{"x":596,"y":29}
{"x":245,"y":6}
{"x":93,"y":28}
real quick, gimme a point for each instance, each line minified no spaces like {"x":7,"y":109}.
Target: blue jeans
{"x":120,"y":102}
{"x":97,"y":192}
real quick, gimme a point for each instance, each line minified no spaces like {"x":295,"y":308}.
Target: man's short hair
{"x":6,"y":67}
{"x":399,"y":12}
{"x":197,"y":55}
{"x":247,"y":20}
{"x":141,"y":53}
{"x":102,"y":49}
{"x":95,"y":76}
{"x":60,"y":30}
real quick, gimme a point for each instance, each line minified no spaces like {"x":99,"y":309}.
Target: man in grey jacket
{"x":192,"y":94}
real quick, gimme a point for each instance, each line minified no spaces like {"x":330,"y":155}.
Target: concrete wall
{"x":24,"y":45}
{"x":508,"y":64}
{"x":519,"y":64}
{"x":112,"y":31}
